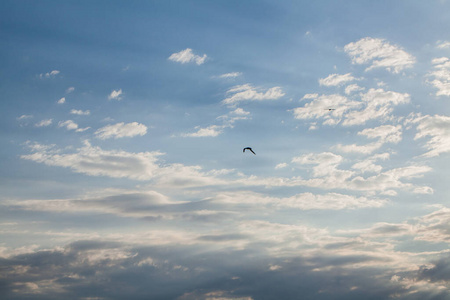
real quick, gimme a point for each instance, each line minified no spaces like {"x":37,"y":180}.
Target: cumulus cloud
{"x":443,"y":44}
{"x":44,"y":123}
{"x":441,"y":76}
{"x":50,"y":74}
{"x":187,"y":56}
{"x":210,"y":131}
{"x":336,"y":79}
{"x":71,"y":125}
{"x":80,"y":112}
{"x":115,"y":95}
{"x":379,"y":54}
{"x":61,"y":100}
{"x":247,"y":92}
{"x":121,"y":130}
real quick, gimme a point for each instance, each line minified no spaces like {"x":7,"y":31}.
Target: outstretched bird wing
{"x":252,"y":151}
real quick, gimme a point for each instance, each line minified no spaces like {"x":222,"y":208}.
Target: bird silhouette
{"x":248,"y":148}
{"x":330,"y":109}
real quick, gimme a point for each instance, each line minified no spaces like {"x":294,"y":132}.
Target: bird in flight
{"x":248,"y":148}
{"x":330,"y":109}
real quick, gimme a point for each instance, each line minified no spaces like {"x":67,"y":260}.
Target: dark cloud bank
{"x":111,"y":270}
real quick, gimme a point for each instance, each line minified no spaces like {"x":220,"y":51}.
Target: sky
{"x":122,"y":169}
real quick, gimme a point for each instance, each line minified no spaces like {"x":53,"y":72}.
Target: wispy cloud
{"x":441,"y":75}
{"x":50,"y":74}
{"x":379,"y":54}
{"x":115,"y":95}
{"x":80,"y":112}
{"x":61,"y":100}
{"x":121,"y":130}
{"x":71,"y":125}
{"x":247,"y":92}
{"x":44,"y":123}
{"x":336,"y":79}
{"x":438,"y":128}
{"x":187,"y":56}
{"x":231,"y":75}
{"x":70,"y":90}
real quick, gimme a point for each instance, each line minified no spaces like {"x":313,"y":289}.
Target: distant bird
{"x":330,"y":109}
{"x":248,"y":148}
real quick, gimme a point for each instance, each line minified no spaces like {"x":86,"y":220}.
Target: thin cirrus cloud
{"x":379,"y":54}
{"x":187,"y":56}
{"x":121,"y":130}
{"x":438,"y":129}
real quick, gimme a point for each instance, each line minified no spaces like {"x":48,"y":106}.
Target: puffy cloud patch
{"x":71,"y":125}
{"x":44,"y":123}
{"x":121,"y":130}
{"x":380,"y":54}
{"x":80,"y":112}
{"x":51,"y":74}
{"x":187,"y":56}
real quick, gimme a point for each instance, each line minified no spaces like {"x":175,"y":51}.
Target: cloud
{"x":61,"y":101}
{"x":187,"y":56}
{"x":368,"y":165}
{"x":384,"y":133}
{"x":95,"y":161}
{"x":121,"y":130}
{"x":71,"y":125}
{"x":24,"y":117}
{"x":115,"y":95}
{"x":443,"y":44}
{"x":353,"y":88}
{"x":438,"y":128}
{"x":44,"y":123}
{"x":227,"y":122}
{"x":70,"y":90}
{"x":231,"y":75}
{"x":80,"y":112}
{"x":248,"y":93}
{"x":320,"y":105}
{"x":441,"y":75}
{"x":336,"y":79}
{"x":378,"y":104}
{"x":210,"y":131}
{"x":51,"y":74}
{"x":380,"y":54}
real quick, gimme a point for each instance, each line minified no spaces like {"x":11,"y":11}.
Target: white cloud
{"x":187,"y":56}
{"x":353,"y":88}
{"x":71,"y":125}
{"x":210,"y":131}
{"x":230,"y":75}
{"x":443,"y":44}
{"x":438,"y":128}
{"x":319,"y":108}
{"x":80,"y":112}
{"x":325,"y":162}
{"x":95,"y":161}
{"x":44,"y":123}
{"x":336,"y":79}
{"x":61,"y":101}
{"x":248,"y":93}
{"x":24,"y":117}
{"x":70,"y":90}
{"x":49,"y":74}
{"x":380,"y":54}
{"x":281,"y":166}
{"x":441,"y":75}
{"x":115,"y":95}
{"x":378,"y":105}
{"x":368,"y":165}
{"x":121,"y":130}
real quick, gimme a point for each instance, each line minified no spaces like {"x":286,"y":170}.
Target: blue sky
{"x":122,"y":129}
